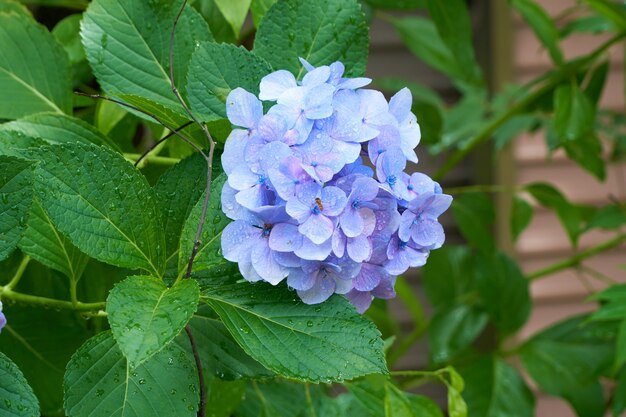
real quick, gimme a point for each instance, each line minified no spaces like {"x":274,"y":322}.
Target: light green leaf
{"x":452,"y":330}
{"x":177,"y":192}
{"x":401,"y":404}
{"x":475,"y":215}
{"x":504,"y":292}
{"x":259,"y":8}
{"x":67,"y":34}
{"x":613,"y":11}
{"x":145,"y":315}
{"x":217,"y":69}
{"x":223,"y":397}
{"x":41,"y":341}
{"x":15,"y":7}
{"x":574,"y":113}
{"x":164,"y":385}
{"x":58,"y":128}
{"x":34,"y":69}
{"x":102,"y":204}
{"x":44,"y":243}
{"x":569,"y":355}
{"x":16,"y":196}
{"x":320,"y":31}
{"x":543,"y":26}
{"x":495,"y":389}
{"x":234,"y":12}
{"x":209,"y":253}
{"x":220,"y":354}
{"x":322,"y":343}
{"x":18,"y":399}
{"x":521,"y":215}
{"x":127,"y":45}
{"x":453,"y":24}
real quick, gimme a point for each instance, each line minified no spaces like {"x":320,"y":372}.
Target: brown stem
{"x":196,"y":356}
{"x":160,"y":141}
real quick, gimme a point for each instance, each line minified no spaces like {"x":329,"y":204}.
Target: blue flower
{"x":305,"y":207}
{"x":3,"y":319}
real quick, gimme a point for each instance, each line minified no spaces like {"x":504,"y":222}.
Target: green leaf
{"x":58,"y":128}
{"x":67,"y":33}
{"x":177,"y":192}
{"x":18,"y":397}
{"x":587,"y":401}
{"x":452,"y":330}
{"x":521,"y":215}
{"x":259,"y":8}
{"x":574,"y":113}
{"x":620,"y":348}
{"x":234,"y":12}
{"x":217,"y":69}
{"x":127,"y":45}
{"x":275,"y":399}
{"x":16,"y":196}
{"x":611,"y":10}
{"x":164,"y":385}
{"x":569,"y":214}
{"x":504,"y":292}
{"x":495,"y":389}
{"x":15,"y":7}
{"x":447,"y":276}
{"x":569,"y":355}
{"x":223,"y":397}
{"x":587,"y":24}
{"x":587,"y":152}
{"x":220,"y":354}
{"x":420,"y":92}
{"x":320,"y":31}
{"x":44,"y":243}
{"x":34,"y":69}
{"x":397,"y":4}
{"x":221,"y":29}
{"x":102,"y":204}
{"x":209,"y":253}
{"x":322,"y":343}
{"x":145,"y":315}
{"x":453,"y":24}
{"x":596,"y":82}
{"x":421,"y":37}
{"x":475,"y":215}
{"x":619,"y":396}
{"x":41,"y":341}
{"x":543,"y":26}
{"x":512,"y":128}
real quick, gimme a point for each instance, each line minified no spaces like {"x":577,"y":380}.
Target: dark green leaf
{"x":430,"y":121}
{"x":504,"y":292}
{"x":569,"y":214}
{"x":620,"y":348}
{"x":177,"y":192}
{"x":397,"y":4}
{"x":574,"y":113}
{"x":259,"y":8}
{"x":320,"y":31}
{"x":16,"y":196}
{"x":34,"y":69}
{"x":587,"y":152}
{"x":164,"y":385}
{"x":452,"y":330}
{"x":145,"y":315}
{"x":40,"y":342}
{"x":58,"y":128}
{"x":217,"y":69}
{"x":102,"y":204}
{"x":454,"y":26}
{"x":543,"y":26}
{"x":587,"y":401}
{"x":569,"y":355}
{"x":619,"y":396}
{"x":223,"y":397}
{"x":275,"y":399}
{"x":495,"y":389}
{"x":596,"y":82}
{"x":326,"y":342}
{"x":44,"y":243}
{"x":608,"y":217}
{"x":18,"y":399}
{"x":127,"y":45}
{"x":448,"y":275}
{"x":209,"y":252}
{"x":474,"y":214}
{"x":220,"y":354}
{"x":521,"y":215}
{"x":220,"y":28}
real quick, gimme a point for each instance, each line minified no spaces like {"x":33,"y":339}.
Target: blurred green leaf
{"x":14,"y":6}
{"x":234,"y":12}
{"x":223,"y":397}
{"x":596,"y":82}
{"x":220,"y":28}
{"x":504,"y":292}
{"x":452,"y":330}
{"x":543,"y":26}
{"x":474,"y":214}
{"x":397,"y":4}
{"x":259,"y":8}
{"x":420,"y":92}
{"x":619,"y":394}
{"x":595,"y":24}
{"x":608,"y":217}
{"x":495,"y":389}
{"x":612,"y":10}
{"x":453,"y":24}
{"x":513,"y":127}
{"x":448,"y":276}
{"x":587,"y":152}
{"x":574,"y":113}
{"x":521,"y":215}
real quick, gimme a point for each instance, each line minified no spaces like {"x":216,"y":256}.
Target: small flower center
{"x":262,"y":179}
{"x":267,"y":228}
{"x":402,"y":244}
{"x":356,"y":204}
{"x":391,"y":180}
{"x":410,"y":187}
{"x":318,"y":207}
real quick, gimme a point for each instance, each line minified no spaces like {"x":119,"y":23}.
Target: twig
{"x":160,"y":141}
{"x":196,"y":355}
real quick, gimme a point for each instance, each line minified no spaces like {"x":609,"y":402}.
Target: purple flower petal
{"x":316,"y":76}
{"x":243,"y":108}
{"x":369,"y":277}
{"x":285,"y":237}
{"x":237,"y":237}
{"x":312,"y":251}
{"x":265,"y":265}
{"x":359,"y":248}
{"x":275,"y":84}
{"x":324,"y":287}
{"x":359,"y":299}
{"x":333,"y":200}
{"x":318,"y":228}
{"x":301,"y":280}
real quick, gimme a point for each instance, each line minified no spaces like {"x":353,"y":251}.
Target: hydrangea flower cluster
{"x":3,"y":319}
{"x":305,"y":205}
